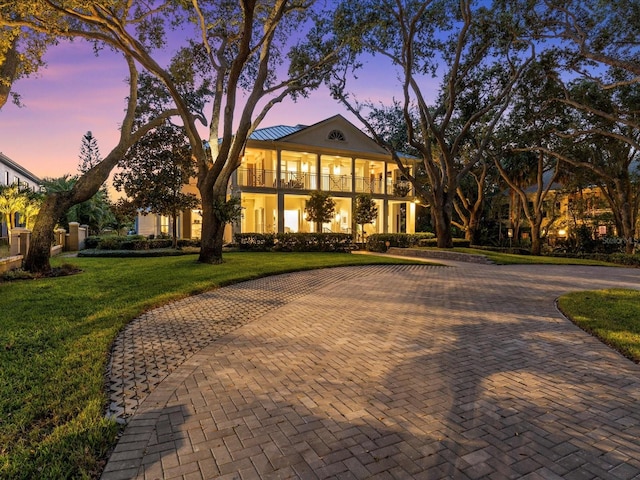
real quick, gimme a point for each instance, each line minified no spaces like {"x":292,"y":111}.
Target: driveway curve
{"x":390,"y":372}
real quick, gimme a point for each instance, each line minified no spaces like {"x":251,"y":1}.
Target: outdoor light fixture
{"x":562,"y":232}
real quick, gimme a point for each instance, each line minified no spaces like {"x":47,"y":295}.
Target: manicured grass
{"x":55,"y":336}
{"x":613,"y":316}
{"x":512,"y":259}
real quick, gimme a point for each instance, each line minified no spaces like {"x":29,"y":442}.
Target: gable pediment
{"x":335,"y":133}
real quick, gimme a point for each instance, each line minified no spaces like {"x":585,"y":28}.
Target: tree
{"x":597,"y":48}
{"x":56,"y":203}
{"x":12,"y":202}
{"x":155,"y":171}
{"x":31,"y":208}
{"x":95,"y":212}
{"x":230,"y":48}
{"x":89,"y":153}
{"x":20,"y":51}
{"x":320,"y":208}
{"x":480,"y":52}
{"x":602,"y":136}
{"x":124,"y":213}
{"x":469,"y":201}
{"x":519,"y":155}
{"x":365,"y":211}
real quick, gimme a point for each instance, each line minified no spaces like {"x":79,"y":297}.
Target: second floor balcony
{"x":328,"y":182}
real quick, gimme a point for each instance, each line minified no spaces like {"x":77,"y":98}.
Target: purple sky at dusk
{"x":78,"y":92}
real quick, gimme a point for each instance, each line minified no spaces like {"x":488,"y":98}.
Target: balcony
{"x":298,"y":181}
{"x":256,"y":178}
{"x":368,"y":185}
{"x":328,"y":182}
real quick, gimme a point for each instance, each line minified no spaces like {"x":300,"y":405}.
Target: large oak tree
{"x":248,"y":52}
{"x":478,"y":50}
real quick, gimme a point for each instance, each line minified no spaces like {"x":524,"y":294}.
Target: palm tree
{"x":12,"y":201}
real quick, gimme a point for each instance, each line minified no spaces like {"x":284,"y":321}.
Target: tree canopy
{"x":227,"y":49}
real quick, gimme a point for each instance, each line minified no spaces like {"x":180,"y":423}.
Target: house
{"x":13,"y":174}
{"x":564,"y":211}
{"x":282,"y":165}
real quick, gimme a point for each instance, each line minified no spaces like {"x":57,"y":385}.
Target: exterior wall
{"x":274,"y":184}
{"x":276,"y":177}
{"x":147,"y":225}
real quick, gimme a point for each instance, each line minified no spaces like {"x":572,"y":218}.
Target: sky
{"x":79,"y":92}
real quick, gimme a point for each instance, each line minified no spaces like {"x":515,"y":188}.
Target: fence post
{"x":20,"y":240}
{"x":73,"y":244}
{"x":60,"y":234}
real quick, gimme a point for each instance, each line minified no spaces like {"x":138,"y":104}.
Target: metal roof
{"x":275,"y":133}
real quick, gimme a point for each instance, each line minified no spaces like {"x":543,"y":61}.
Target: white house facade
{"x":282,"y":165}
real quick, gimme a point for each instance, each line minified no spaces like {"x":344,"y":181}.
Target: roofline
{"x":300,"y":147}
{"x":19,"y":168}
{"x":346,"y":153}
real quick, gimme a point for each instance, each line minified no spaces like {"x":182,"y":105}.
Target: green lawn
{"x":54,"y":340}
{"x":513,"y":259}
{"x":613,"y":316}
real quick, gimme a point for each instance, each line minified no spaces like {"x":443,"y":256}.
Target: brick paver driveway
{"x":466,"y":371}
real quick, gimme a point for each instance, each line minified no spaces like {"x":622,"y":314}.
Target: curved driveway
{"x":390,"y":372}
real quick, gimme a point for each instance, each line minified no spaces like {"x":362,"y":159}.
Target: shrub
{"x":295,"y":242}
{"x":91,"y":242}
{"x":618,"y":258}
{"x":160,"y":243}
{"x":188,"y":242}
{"x":110,"y":243}
{"x":314,"y":242}
{"x":433,"y":242}
{"x":255,"y":242}
{"x":378,"y":241}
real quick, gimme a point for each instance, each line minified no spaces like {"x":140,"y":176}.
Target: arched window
{"x":336,"y":135}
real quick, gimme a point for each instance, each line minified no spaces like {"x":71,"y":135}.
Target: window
{"x":336,"y":135}
{"x":6,"y":178}
{"x":164,"y":225}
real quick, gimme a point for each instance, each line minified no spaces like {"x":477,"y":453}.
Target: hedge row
{"x":433,"y":242}
{"x":618,"y":258}
{"x":133,"y":242}
{"x":378,"y":241}
{"x":295,"y":242}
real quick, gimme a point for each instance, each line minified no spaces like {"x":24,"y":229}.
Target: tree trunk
{"x":472,"y":232}
{"x":53,"y":207}
{"x":441,"y":214}
{"x":57,"y":203}
{"x":536,"y":243}
{"x":628,"y":230}
{"x":212,"y":231}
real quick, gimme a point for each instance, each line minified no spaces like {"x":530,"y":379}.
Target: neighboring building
{"x":11,"y":173}
{"x":282,"y":165}
{"x":564,"y":211}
